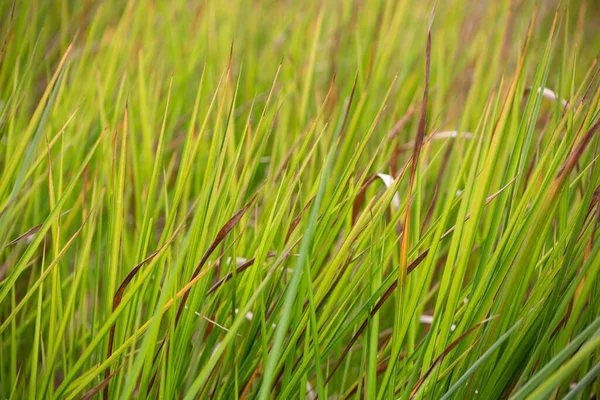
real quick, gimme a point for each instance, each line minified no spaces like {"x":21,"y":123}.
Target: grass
{"x":276,"y":199}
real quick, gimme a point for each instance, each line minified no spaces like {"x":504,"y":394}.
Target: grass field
{"x":299,"y":199}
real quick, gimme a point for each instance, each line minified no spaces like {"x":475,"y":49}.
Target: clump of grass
{"x":299,"y":199}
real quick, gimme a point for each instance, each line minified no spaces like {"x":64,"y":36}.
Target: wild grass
{"x":276,"y":199}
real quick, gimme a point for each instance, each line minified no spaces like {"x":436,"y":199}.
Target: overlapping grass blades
{"x":191,"y":199}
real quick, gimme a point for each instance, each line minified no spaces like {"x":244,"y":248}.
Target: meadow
{"x":259,"y":199}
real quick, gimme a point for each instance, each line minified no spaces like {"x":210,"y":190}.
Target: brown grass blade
{"x":379,"y":304}
{"x":403,"y":266}
{"x":296,"y":220}
{"x":401,"y":122}
{"x":94,"y":391}
{"x":119,"y":295}
{"x":7,"y":34}
{"x":229,"y":225}
{"x":239,"y":269}
{"x":445,"y":353}
{"x":573,"y":158}
{"x":29,"y":233}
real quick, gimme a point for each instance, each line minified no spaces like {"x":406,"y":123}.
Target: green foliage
{"x":278,"y":199}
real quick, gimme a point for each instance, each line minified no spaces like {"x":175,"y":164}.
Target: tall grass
{"x":333,"y":199}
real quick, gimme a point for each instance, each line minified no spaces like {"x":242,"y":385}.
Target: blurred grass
{"x":260,"y":199}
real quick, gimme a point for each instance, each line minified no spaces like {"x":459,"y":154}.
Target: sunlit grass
{"x":278,"y":199}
